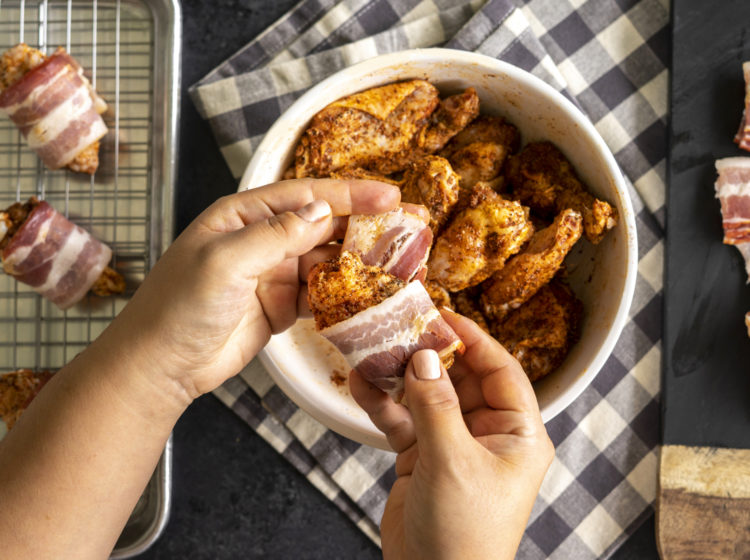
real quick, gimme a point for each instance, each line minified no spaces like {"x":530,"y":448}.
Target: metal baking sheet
{"x":130,"y":50}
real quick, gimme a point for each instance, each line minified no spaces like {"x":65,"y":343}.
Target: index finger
{"x":345,"y":197}
{"x":505,"y":386}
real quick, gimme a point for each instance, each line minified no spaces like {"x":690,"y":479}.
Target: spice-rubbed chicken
{"x":478,"y":240}
{"x":17,"y":389}
{"x":450,"y":118}
{"x":382,"y":129}
{"x":375,"y":129}
{"x":539,"y":334}
{"x":524,"y":274}
{"x":478,"y":152}
{"x":431,"y":181}
{"x":344,"y":286}
{"x":465,"y":302}
{"x":544,"y":179}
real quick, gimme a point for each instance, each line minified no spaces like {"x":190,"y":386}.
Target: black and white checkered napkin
{"x":610,"y":56}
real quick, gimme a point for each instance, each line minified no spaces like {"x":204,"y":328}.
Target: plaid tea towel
{"x":610,"y":57}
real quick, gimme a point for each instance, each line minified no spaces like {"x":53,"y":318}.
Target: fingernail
{"x":315,"y":211}
{"x":427,"y":364}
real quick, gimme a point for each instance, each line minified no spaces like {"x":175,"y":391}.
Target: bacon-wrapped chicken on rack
{"x":54,"y":106}
{"x":58,"y":259}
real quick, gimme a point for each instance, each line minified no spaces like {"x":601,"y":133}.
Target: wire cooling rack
{"x":114,"y":42}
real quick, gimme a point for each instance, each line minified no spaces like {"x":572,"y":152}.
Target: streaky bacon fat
{"x":379,"y":341}
{"x":397,"y":241}
{"x":733,"y":191}
{"x":57,"y":258}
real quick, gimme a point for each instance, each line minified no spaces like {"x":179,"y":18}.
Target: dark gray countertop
{"x":233,"y":495}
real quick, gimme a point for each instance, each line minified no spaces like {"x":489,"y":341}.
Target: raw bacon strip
{"x":56,"y":110}
{"x":397,"y":241}
{"x":733,"y":190}
{"x":742,"y":138}
{"x":58,"y":259}
{"x":379,"y":341}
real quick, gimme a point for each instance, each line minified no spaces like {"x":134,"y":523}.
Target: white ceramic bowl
{"x":603,"y":276}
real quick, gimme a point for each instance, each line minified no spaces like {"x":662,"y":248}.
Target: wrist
{"x":128,"y":360}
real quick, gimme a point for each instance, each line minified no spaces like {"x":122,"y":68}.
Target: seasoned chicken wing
{"x":439,"y":295}
{"x":540,"y":333}
{"x":375,"y":129}
{"x":17,"y":389}
{"x":544,"y":179}
{"x":465,"y":303}
{"x":478,"y":152}
{"x":524,"y":274}
{"x":344,"y":286}
{"x":431,"y":181}
{"x":359,"y":173}
{"x":451,"y":116}
{"x":478,"y":240}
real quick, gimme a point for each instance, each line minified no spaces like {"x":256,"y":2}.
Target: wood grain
{"x":703,"y":508}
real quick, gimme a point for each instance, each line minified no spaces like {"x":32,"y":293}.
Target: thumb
{"x":434,"y":405}
{"x":266,"y":243}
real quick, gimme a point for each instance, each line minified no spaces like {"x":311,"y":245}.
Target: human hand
{"x":470,"y":458}
{"x":235,"y":276}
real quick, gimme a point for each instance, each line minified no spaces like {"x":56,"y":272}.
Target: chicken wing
{"x":344,"y":286}
{"x":359,"y":173}
{"x":465,"y":303}
{"x":431,"y":181}
{"x":544,"y":179}
{"x":451,"y":116}
{"x":375,"y":129}
{"x":17,"y":389}
{"x":478,"y":240}
{"x":478,"y":152}
{"x":439,"y":295}
{"x":524,"y":274}
{"x":540,"y":333}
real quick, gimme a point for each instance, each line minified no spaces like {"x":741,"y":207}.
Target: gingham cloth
{"x":609,"y":56}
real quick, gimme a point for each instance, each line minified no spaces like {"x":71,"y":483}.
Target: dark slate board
{"x":706,"y":376}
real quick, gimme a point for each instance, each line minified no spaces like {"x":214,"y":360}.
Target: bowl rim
{"x":289,"y":118}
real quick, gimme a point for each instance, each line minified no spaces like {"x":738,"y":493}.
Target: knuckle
{"x":437,"y":400}
{"x":284,"y":225}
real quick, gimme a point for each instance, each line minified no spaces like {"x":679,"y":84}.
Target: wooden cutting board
{"x":703,"y":508}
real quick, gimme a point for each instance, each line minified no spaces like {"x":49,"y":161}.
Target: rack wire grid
{"x":113,"y":40}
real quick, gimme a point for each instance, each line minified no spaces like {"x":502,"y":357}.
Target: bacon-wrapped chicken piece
{"x":58,"y":259}
{"x":742,"y":138}
{"x":397,"y":241}
{"x":733,"y":191}
{"x":376,"y":320}
{"x":17,"y":389}
{"x":54,"y":106}
{"x":543,"y":179}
